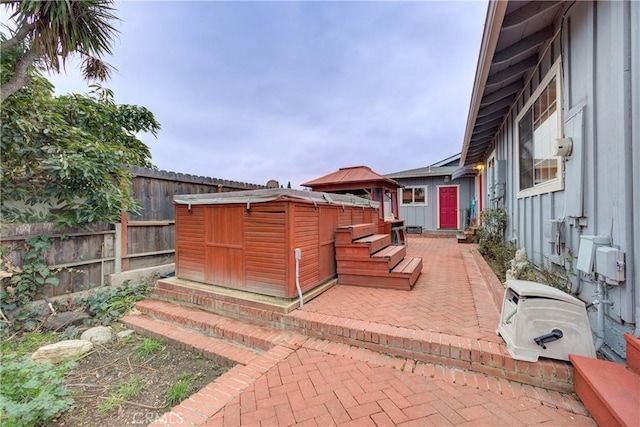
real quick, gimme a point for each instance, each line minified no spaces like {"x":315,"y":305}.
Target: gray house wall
{"x":598,"y":43}
{"x":427,"y":216}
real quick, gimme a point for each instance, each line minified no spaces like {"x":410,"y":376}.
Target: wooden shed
{"x":247,"y":240}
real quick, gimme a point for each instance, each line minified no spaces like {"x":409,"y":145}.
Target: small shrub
{"x":32,"y":393}
{"x":491,"y":244}
{"x":110,"y":303}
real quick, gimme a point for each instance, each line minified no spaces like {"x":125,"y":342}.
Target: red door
{"x":448,"y":202}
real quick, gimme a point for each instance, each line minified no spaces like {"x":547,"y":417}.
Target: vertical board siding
{"x":593,"y":201}
{"x":190,"y":247}
{"x":265,"y":251}
{"x":253,"y":249}
{"x":306,"y":232}
{"x":223,"y":230}
{"x":327,"y":252}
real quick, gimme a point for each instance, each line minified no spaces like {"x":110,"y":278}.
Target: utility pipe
{"x":298,"y":256}
{"x":600,"y":303}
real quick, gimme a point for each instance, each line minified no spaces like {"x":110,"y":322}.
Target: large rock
{"x":61,"y":351}
{"x":65,"y":319}
{"x":98,"y":335}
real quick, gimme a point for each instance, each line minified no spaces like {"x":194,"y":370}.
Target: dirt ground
{"x":100,"y":380}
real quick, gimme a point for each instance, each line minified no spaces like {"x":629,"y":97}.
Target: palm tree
{"x":47,"y":33}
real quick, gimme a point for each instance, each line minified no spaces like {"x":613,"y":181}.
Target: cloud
{"x":252,"y":91}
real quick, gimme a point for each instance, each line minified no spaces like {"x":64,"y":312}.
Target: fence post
{"x":118,"y":249}
{"x":124,"y":221}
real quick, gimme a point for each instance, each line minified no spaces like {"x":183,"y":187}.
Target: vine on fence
{"x":21,"y":285}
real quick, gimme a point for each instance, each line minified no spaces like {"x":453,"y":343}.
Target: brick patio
{"x":361,"y":356}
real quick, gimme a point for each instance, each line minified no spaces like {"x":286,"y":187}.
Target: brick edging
{"x":201,"y":406}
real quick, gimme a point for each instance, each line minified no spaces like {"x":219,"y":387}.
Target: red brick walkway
{"x":311,"y":387}
{"x":309,"y":381}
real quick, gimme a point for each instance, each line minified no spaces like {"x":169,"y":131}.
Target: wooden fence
{"x":88,"y":257}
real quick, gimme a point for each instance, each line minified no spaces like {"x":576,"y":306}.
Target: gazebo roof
{"x":354,"y":177}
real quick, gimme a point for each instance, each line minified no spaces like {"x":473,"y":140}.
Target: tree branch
{"x":18,"y":37}
{"x":19,"y":78}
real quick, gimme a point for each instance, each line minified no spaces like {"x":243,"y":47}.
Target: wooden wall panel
{"x":265,"y":254}
{"x":327,"y":251}
{"x":357,"y":215}
{"x":344,"y":217}
{"x":190,"y":248}
{"x":224,"y":241}
{"x":306,"y":232}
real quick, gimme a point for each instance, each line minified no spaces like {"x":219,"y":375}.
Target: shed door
{"x":224,"y":231}
{"x":448,"y":207}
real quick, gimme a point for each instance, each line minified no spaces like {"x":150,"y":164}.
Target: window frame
{"x":413,"y":195}
{"x":556,"y":184}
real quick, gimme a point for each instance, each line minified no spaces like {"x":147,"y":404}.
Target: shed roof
{"x":267,"y":195}
{"x":352,"y":177}
{"x":516,"y":33}
{"x":441,"y":168}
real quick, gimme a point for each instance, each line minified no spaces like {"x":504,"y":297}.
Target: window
{"x":539,"y":125}
{"x":414,"y":195}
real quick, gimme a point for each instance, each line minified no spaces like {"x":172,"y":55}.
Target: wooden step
{"x":375,"y":242}
{"x":633,"y":353}
{"x":363,"y":247}
{"x":346,"y":234}
{"x":386,"y":282}
{"x":403,"y":276}
{"x":609,"y":391}
{"x":392,"y":254}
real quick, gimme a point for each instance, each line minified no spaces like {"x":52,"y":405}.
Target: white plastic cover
{"x":267,"y":195}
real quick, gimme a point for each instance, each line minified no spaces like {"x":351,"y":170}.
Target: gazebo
{"x":362,"y":181}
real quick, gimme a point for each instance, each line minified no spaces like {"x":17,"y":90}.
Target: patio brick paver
{"x":310,"y":380}
{"x":446,"y":297}
{"x":316,"y":388}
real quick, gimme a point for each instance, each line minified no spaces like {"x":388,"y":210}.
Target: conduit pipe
{"x":298,"y":256}
{"x":600,"y":302}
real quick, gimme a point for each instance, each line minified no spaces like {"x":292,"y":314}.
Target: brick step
{"x":633,"y":353}
{"x":366,"y":245}
{"x":609,"y":391}
{"x":213,"y":324}
{"x":485,"y":358}
{"x":223,"y":352}
{"x":346,"y":234}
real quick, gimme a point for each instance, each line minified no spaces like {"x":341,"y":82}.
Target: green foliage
{"x":181,"y":389}
{"x":27,"y":343}
{"x":21,"y":285}
{"x":109,"y":303}
{"x":491,"y":241}
{"x":122,"y":391}
{"x":557,"y":276}
{"x":146,"y":348}
{"x":32,"y":393}
{"x":47,"y":33}
{"x":65,"y":159}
